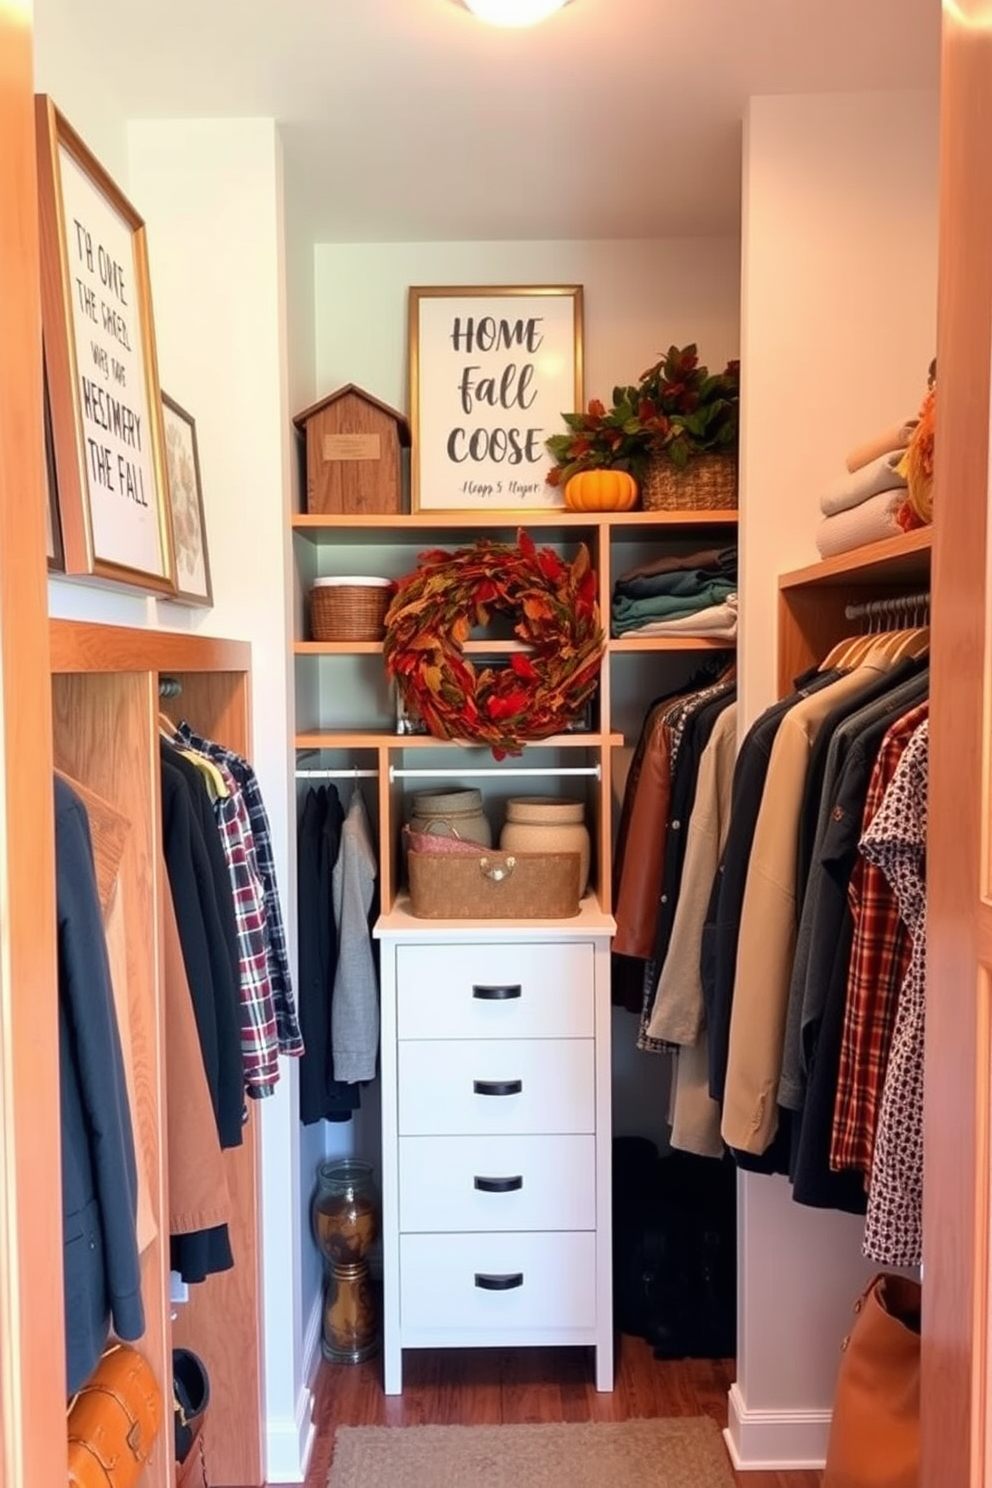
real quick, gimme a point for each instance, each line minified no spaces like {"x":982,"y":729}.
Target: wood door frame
{"x":958,"y":1042}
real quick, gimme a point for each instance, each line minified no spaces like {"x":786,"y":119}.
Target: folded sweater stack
{"x":863,"y":506}
{"x":689,"y":594}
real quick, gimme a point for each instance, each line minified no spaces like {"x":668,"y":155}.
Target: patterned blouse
{"x":896,"y":841}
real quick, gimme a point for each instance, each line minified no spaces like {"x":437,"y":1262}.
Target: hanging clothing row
{"x":794,"y":1001}
{"x":339,"y":985}
{"x":225,"y":958}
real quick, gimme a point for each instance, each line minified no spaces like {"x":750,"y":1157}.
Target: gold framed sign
{"x":491,"y":372}
{"x":106,"y":412}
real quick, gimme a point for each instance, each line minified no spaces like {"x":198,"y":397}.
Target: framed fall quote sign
{"x":491,"y":372}
{"x":106,"y":413}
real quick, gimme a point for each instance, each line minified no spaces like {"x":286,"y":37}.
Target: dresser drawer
{"x":464,"y":1087}
{"x":497,"y":1183}
{"x":497,"y":1283}
{"x":495,"y":991}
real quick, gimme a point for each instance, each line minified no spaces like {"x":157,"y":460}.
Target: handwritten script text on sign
{"x":101,"y":288}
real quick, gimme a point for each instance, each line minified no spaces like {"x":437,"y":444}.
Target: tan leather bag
{"x":113,"y":1421}
{"x":875,"y":1431}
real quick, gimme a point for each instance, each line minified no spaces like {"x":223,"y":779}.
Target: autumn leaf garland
{"x":556,"y":615}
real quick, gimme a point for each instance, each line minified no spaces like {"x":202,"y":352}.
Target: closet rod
{"x":169,"y":687}
{"x":337,"y":774}
{"x":532,"y":770}
{"x":881,"y":609}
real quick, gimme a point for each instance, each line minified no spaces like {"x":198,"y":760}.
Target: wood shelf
{"x":374,"y":648}
{"x":557,"y":525}
{"x":632,"y":646}
{"x":77,"y":646}
{"x":380,"y":739}
{"x":895,"y":560}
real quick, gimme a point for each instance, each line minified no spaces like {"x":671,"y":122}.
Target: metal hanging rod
{"x":169,"y":687}
{"x":530,"y":770}
{"x":895,"y":607}
{"x":337,"y":774}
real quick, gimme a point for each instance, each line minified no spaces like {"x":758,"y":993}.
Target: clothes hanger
{"x":216,"y":784}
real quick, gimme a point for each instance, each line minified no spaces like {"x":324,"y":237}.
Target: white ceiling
{"x":410,"y":119}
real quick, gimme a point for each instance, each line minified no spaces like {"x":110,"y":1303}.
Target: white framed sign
{"x":106,"y":412}
{"x":491,"y":373}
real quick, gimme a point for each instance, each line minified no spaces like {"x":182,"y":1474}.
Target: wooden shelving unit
{"x":813,"y":600}
{"x":634,"y":667}
{"x":105,"y":706}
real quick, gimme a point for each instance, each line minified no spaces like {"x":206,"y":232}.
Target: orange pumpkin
{"x":601,"y":490}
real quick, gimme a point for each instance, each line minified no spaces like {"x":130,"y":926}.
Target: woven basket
{"x":708,"y":483}
{"x":494,"y":886}
{"x":349,"y":609}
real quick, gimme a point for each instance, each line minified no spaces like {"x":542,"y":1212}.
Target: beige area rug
{"x":678,"y":1452}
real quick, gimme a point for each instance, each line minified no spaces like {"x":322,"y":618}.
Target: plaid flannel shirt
{"x":287,"y":1025}
{"x":880,"y":956}
{"x":259,"y":1045}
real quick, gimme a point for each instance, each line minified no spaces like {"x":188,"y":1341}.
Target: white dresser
{"x":496,"y":1135}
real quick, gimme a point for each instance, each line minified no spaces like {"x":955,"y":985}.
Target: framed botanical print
{"x":106,"y":416}
{"x":189,"y":527}
{"x":491,"y":372}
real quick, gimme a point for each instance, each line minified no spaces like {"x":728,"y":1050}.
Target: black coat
{"x":99,"y":1177}
{"x":198,"y":895}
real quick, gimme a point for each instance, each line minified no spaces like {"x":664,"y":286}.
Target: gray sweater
{"x":355,"y":1005}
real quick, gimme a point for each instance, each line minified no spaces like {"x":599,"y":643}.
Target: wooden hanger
{"x":847,"y":653}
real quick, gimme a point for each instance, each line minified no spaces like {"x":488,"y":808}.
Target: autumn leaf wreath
{"x":543,"y":689}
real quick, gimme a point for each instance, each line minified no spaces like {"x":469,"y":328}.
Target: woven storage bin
{"x":349,"y":609}
{"x":494,"y":886}
{"x":708,"y":483}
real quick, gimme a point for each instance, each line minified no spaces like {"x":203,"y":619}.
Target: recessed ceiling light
{"x":514,"y":12}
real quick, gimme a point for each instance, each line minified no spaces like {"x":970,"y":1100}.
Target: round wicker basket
{"x":349,"y":609}
{"x":708,"y":483}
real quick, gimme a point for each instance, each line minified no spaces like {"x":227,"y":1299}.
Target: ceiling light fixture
{"x":514,"y":12}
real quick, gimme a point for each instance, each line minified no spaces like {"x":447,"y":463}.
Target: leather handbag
{"x":875,"y":1431}
{"x":113,"y":1421}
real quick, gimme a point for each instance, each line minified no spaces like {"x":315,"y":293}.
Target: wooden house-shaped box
{"x":353,"y":453}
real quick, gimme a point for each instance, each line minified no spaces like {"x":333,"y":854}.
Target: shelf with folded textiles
{"x":633,"y":644}
{"x":897,"y":560}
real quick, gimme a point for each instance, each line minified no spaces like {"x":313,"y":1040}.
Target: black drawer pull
{"x":497,"y":1087}
{"x":500,"y":1185}
{"x":499,"y":1283}
{"x":497,"y":994}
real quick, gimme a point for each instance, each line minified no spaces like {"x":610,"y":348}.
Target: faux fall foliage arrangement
{"x":678,"y":410}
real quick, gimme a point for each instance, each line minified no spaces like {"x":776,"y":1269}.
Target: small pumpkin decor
{"x":601,"y":490}
{"x":543,"y":689}
{"x":598,"y":462}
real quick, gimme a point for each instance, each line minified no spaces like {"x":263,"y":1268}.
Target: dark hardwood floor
{"x":492,"y":1386}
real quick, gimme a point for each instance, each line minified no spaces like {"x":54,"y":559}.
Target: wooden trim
{"x":894,"y":560}
{"x":77,"y":646}
{"x":682,"y":523}
{"x":955,"y":1215}
{"x":373,"y":739}
{"x":32,"y":1358}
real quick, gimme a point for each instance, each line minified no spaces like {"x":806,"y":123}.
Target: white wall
{"x":639,"y":297}
{"x":837,"y":331}
{"x":211,"y":193}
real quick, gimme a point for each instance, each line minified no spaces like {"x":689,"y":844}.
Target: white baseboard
{"x":775,"y":1441}
{"x":290,"y":1443}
